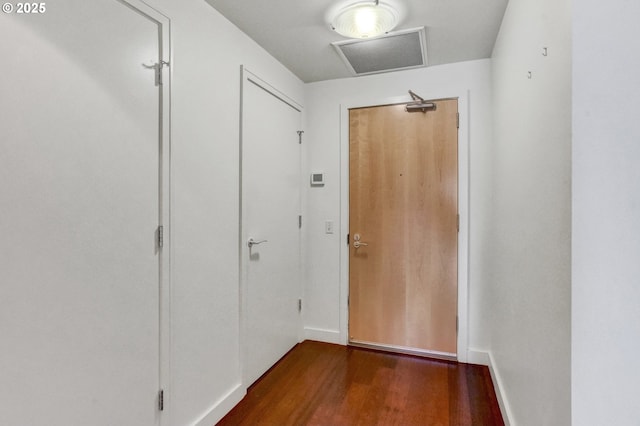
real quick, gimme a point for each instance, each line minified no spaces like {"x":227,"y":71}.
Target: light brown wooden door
{"x":403,"y":204}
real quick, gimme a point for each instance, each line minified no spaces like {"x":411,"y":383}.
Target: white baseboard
{"x":475,"y":356}
{"x":322,"y":335}
{"x":222,"y":407}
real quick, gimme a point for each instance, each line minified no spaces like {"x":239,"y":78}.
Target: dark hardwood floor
{"x":323,"y":384}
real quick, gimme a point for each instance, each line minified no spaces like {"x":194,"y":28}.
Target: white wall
{"x":529,"y":266}
{"x":606,"y":213}
{"x":207,"y":54}
{"x":322,"y":143}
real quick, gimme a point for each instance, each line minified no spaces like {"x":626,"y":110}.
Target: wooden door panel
{"x":403,"y":203}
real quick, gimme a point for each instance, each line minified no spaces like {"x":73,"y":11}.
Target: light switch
{"x":328,"y":227}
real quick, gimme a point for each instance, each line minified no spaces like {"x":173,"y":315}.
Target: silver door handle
{"x":357,"y":243}
{"x":252,"y":242}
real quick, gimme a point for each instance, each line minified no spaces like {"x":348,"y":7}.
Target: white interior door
{"x":270,"y":209}
{"x":80,"y":193}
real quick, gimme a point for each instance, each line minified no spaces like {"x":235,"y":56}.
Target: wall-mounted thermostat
{"x":317,"y":179}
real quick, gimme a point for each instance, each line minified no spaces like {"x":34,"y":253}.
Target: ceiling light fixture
{"x":365,"y":19}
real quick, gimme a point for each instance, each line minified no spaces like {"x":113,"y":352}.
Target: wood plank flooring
{"x":324,"y":384}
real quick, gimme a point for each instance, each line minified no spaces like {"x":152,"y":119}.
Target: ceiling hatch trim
{"x":394,"y":51}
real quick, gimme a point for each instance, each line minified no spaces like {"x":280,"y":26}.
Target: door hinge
{"x":160,"y":234}
{"x":347,"y":239}
{"x":300,"y":132}
{"x":456,"y":324}
{"x":457,"y":120}
{"x":299,"y":221}
{"x":299,"y":305}
{"x":458,"y":222}
{"x":161,"y":400}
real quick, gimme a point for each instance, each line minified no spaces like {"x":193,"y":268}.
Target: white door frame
{"x":463,"y":208}
{"x":248,"y":77}
{"x":164,"y":219}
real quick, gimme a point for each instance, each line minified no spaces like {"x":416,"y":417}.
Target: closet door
{"x":270,"y":254}
{"x":80,"y":189}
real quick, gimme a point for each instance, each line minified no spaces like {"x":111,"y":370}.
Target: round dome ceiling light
{"x":365,"y":19}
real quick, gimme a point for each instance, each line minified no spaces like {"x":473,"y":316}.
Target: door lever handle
{"x":358,"y":244}
{"x":252,"y":242}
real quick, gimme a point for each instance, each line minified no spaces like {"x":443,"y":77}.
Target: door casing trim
{"x":166,"y":202}
{"x":463,"y":208}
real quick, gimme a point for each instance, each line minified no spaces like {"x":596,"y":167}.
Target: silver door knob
{"x":252,"y":242}
{"x":357,"y":243}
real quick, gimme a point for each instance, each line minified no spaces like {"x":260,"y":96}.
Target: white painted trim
{"x":463,"y":207}
{"x":477,"y":357}
{"x":221,"y":407}
{"x":486,"y":358}
{"x":323,"y":335}
{"x":250,"y":76}
{"x":166,"y":278}
{"x":166,"y":295}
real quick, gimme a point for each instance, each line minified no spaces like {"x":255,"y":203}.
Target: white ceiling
{"x":295,"y":31}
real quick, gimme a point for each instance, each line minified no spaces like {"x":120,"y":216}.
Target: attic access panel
{"x":391,"y":52}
